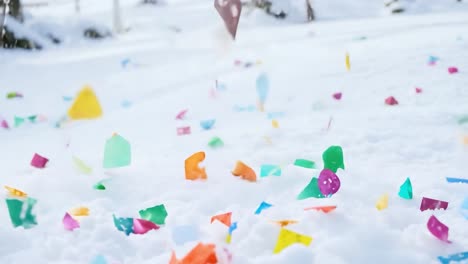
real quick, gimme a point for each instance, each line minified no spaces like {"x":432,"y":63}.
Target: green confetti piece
{"x":32,"y":118}
{"x":156,"y":214}
{"x":462,"y":120}
{"x":333,"y":158}
{"x":11,"y":95}
{"x":18,"y":121}
{"x":304,"y":163}
{"x":216,"y":142}
{"x":99,"y":186}
{"x":117,"y":152}
{"x":19,"y":215}
{"x":311,"y":190}
{"x":406,"y":190}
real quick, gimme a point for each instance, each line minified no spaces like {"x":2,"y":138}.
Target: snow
{"x":169,"y":71}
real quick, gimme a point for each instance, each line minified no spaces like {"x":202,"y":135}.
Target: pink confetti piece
{"x":418,"y":90}
{"x":183,"y":131}
{"x":38,"y":161}
{"x":438,"y":229}
{"x":337,"y":96}
{"x":69,"y":223}
{"x":4,"y":124}
{"x":141,"y":226}
{"x":432,"y":204}
{"x":452,"y":70}
{"x":391,"y":101}
{"x":42,"y":118}
{"x":213,"y":94}
{"x":181,"y":114}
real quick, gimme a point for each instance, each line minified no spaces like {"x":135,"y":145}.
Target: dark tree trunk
{"x":14,"y":9}
{"x":310,"y":11}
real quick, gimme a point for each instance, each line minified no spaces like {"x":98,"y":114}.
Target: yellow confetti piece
{"x":382,"y":203}
{"x":80,"y":211}
{"x":82,"y":167}
{"x":261,"y":107}
{"x":228,"y":239}
{"x":268,"y":139}
{"x":15,"y":192}
{"x":348,"y":62}
{"x":286,"y":238}
{"x":274,"y":123}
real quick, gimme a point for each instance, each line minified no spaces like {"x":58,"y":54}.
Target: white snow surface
{"x":170,"y":71}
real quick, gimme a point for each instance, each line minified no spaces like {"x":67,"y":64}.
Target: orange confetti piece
{"x":284,"y":223}
{"x":244,"y":171}
{"x":80,"y":211}
{"x":223,"y":218}
{"x":15,"y":192}
{"x":200,"y":254}
{"x":465,"y":140}
{"x":174,"y":259}
{"x":192,"y":170}
{"x":325,"y":209}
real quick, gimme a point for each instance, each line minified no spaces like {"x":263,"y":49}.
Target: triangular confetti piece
{"x":15,"y":192}
{"x":286,"y":238}
{"x":406,"y":190}
{"x":223,"y":218}
{"x":141,"y":226}
{"x":69,"y":223}
{"x":311,"y":190}
{"x":85,"y":106}
{"x":382,"y":203}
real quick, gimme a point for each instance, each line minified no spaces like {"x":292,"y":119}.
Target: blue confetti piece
{"x":433,"y":59}
{"x":99,"y":259}
{"x":249,"y":108}
{"x":221,"y":87}
{"x":275,"y":115}
{"x":262,"y":206}
{"x":207,"y":124}
{"x":126,"y":103}
{"x":457,"y":180}
{"x":464,"y":208}
{"x":124,"y":224}
{"x":455,"y":257}
{"x":67,"y":98}
{"x":270,"y":170}
{"x":125,"y":62}
{"x":263,"y":86}
{"x":232,"y":227}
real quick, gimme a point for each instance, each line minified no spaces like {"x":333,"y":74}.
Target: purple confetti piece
{"x":328,"y":182}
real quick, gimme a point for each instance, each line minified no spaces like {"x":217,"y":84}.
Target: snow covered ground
{"x":167,"y":71}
